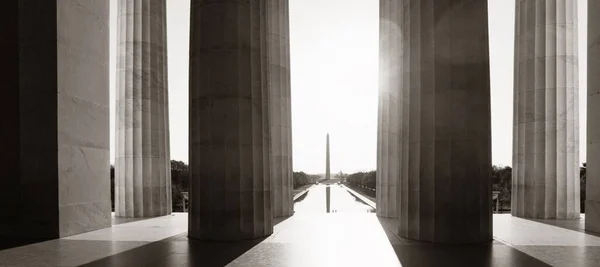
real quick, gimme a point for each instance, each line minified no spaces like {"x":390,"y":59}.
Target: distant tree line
{"x":362,"y":179}
{"x":180,"y":182}
{"x":180,"y":179}
{"x":301,"y":179}
{"x":501,"y":181}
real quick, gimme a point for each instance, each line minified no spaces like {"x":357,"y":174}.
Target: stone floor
{"x":349,"y":236}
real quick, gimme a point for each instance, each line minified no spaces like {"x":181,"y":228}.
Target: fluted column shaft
{"x":230,"y":187}
{"x":280,"y":107}
{"x":592,"y":193}
{"x":142,"y":161}
{"x":545,"y":182}
{"x":445,"y":187}
{"x":388,"y":138}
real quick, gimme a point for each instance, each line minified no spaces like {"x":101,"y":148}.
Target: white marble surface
{"x":592,"y":210}
{"x":280,"y":104}
{"x":332,"y":239}
{"x":545,"y":182}
{"x":84,"y":248}
{"x":522,"y":232}
{"x":142,"y":156}
{"x":63,"y":185}
{"x":148,"y":230}
{"x":551,"y":244}
{"x":389,"y":108}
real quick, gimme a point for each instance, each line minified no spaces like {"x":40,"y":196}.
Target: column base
{"x":574,"y":216}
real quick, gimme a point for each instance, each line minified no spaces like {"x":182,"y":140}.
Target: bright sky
{"x":334,"y":53}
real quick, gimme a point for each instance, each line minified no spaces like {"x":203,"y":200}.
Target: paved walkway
{"x":554,"y":245}
{"x":350,"y":236}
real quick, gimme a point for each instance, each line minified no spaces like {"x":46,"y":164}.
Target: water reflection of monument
{"x":328,"y":198}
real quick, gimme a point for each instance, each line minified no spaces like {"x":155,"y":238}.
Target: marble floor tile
{"x":352,"y":236}
{"x":149,"y":230}
{"x":523,"y":232}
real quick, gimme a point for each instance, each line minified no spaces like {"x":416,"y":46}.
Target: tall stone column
{"x":445,"y":189}
{"x":230,"y":188}
{"x":545,"y":182}
{"x":592,"y":193}
{"x":388,"y":136}
{"x":280,"y":102}
{"x":54,"y":136}
{"x":142,"y":161}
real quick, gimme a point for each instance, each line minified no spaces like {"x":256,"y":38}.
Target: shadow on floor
{"x":180,"y":251}
{"x":464,"y":255}
{"x":279,"y":220}
{"x":414,"y":253}
{"x":7,"y":242}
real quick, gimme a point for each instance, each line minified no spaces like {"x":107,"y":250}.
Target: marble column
{"x":280,"y":102}
{"x":592,"y":201}
{"x":445,"y":187}
{"x":142,"y":161}
{"x":388,"y":138}
{"x":55,"y":137}
{"x":545,"y":183}
{"x":230,"y":187}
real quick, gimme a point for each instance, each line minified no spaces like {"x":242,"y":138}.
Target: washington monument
{"x":327,"y":171}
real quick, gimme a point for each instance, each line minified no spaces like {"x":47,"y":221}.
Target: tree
{"x":582,"y":180}
{"x":369,"y":179}
{"x":180,"y":182}
{"x":301,"y":179}
{"x":355,"y":179}
{"x":502,"y":181}
{"x":112,"y":187}
{"x":366,"y":179}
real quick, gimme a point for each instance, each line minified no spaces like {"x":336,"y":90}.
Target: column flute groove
{"x":592,"y":198}
{"x":142,"y":160}
{"x":388,"y":145}
{"x":280,"y":107}
{"x":546,"y":123}
{"x":445,"y":186}
{"x":230,"y":134}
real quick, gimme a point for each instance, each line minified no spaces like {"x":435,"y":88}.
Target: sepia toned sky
{"x":334,"y":72}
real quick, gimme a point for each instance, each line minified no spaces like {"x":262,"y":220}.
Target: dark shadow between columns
{"x":8,"y":242}
{"x":180,"y":251}
{"x":278,"y":220}
{"x":415,"y":253}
